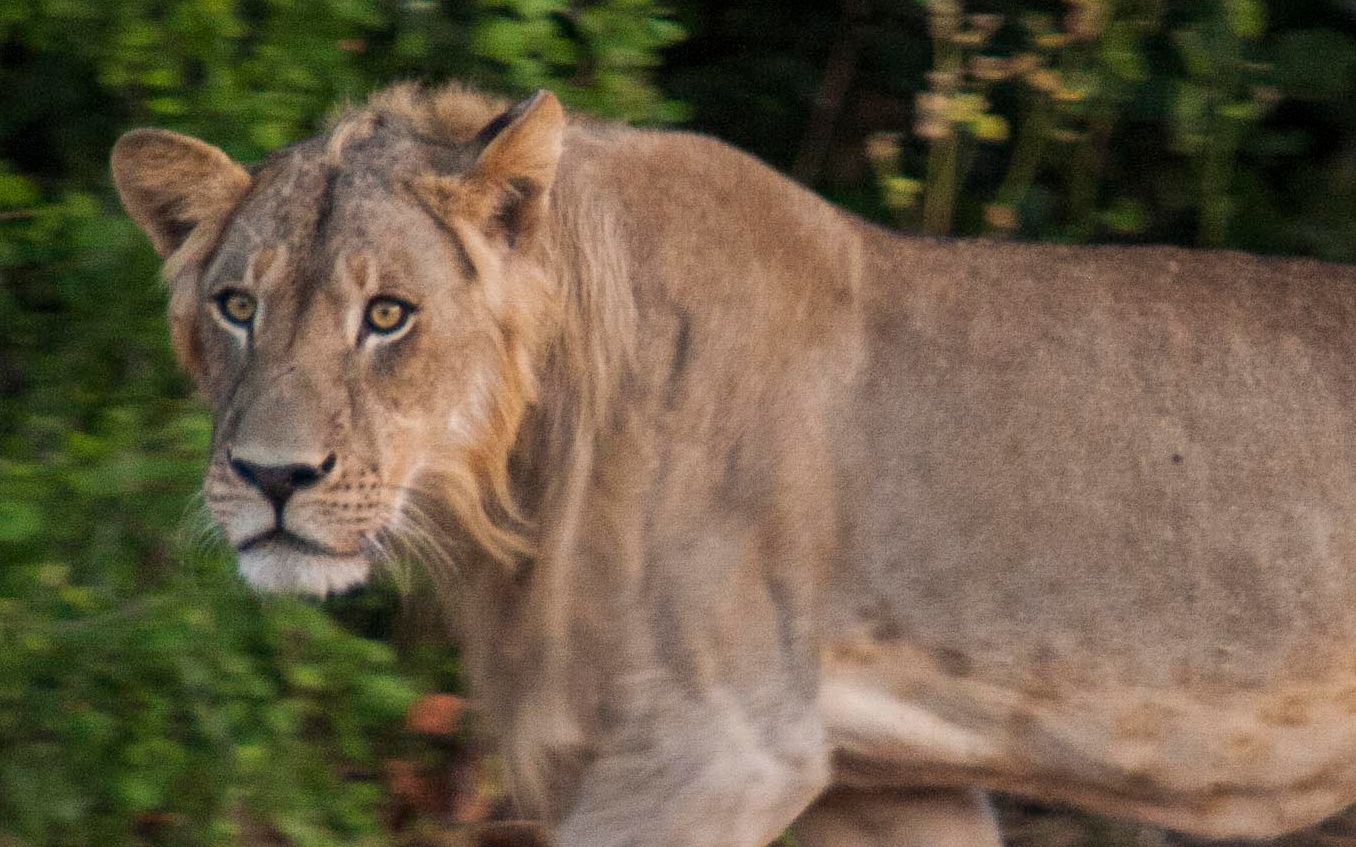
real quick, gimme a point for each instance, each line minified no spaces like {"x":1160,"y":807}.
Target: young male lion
{"x":754,"y":514}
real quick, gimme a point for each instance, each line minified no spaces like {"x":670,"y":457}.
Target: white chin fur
{"x":282,"y":569}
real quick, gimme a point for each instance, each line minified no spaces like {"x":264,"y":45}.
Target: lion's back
{"x":1150,"y":452}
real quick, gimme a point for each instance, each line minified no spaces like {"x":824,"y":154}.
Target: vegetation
{"x":1134,"y":119}
{"x":145,"y":696}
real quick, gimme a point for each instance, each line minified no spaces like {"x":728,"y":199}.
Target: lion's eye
{"x":237,"y":307}
{"x":386,"y":315}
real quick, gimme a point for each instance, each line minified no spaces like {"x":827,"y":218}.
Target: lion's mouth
{"x":286,"y":539}
{"x":281,"y":560}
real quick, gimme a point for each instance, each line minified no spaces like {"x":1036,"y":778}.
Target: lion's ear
{"x":170,"y":184}
{"x":505,"y":191}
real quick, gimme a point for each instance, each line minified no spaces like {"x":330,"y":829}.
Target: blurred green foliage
{"x":146,"y":697}
{"x":192,"y":714}
{"x":597,"y":56}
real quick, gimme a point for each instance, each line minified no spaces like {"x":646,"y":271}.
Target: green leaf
{"x":1316,"y":64}
{"x":1195,"y":55}
{"x":1241,"y":111}
{"x":1123,"y":53}
{"x":16,"y":191}
{"x":1247,"y":19}
{"x":19,"y":521}
{"x":138,"y":794}
{"x":1126,"y":217}
{"x":1190,"y":108}
{"x":991,"y":129}
{"x":500,"y":39}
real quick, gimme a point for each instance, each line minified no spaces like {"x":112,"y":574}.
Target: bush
{"x":188,"y":715}
{"x":1129,"y":120}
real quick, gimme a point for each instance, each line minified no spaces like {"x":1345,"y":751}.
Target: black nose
{"x":279,"y":482}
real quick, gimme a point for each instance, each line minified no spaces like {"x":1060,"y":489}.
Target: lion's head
{"x":361,"y":312}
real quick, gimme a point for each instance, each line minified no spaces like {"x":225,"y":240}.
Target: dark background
{"x":145,"y":696}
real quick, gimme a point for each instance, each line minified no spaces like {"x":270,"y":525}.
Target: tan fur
{"x":734,"y":497}
{"x":855,"y":818}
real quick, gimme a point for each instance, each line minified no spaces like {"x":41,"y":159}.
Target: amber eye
{"x":386,"y":315}
{"x":237,"y":307}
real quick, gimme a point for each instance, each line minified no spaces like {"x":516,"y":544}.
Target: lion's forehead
{"x":357,"y":249}
{"x":359,"y":165}
{"x":338,"y":194}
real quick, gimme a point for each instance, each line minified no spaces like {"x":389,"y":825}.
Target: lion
{"x":752,"y":515}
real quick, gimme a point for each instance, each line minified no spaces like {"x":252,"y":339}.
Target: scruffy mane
{"x":560,"y":355}
{"x":561,"y":349}
{"x":586,"y":363}
{"x":452,"y":114}
{"x":565,"y":348}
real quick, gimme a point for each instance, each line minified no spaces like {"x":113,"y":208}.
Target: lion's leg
{"x":860,"y":818}
{"x":697,"y":789}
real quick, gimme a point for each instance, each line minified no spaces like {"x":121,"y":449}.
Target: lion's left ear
{"x":505,"y":192}
{"x":171,"y":184}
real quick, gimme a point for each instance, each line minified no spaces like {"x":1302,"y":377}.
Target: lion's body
{"x":1100,"y":530}
{"x":815,"y":505}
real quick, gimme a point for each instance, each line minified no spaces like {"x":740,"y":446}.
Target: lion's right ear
{"x":170,"y":184}
{"x":505,"y":191}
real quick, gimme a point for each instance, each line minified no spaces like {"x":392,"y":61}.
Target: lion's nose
{"x":279,"y":482}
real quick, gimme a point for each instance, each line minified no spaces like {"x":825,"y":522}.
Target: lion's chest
{"x":1217,"y":762}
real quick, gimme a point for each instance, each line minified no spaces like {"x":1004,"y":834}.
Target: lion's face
{"x":333,"y":372}
{"x":346,"y":318}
